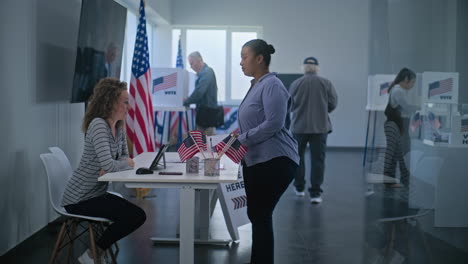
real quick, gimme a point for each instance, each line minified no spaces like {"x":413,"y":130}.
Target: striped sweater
{"x":101,"y":151}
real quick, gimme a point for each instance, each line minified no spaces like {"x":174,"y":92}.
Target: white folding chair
{"x":57,"y":178}
{"x":58,"y":152}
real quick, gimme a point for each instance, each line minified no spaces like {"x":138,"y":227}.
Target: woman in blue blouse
{"x":272,"y":158}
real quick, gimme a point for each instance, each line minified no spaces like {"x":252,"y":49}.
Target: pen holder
{"x":211,"y":167}
{"x":192,"y":165}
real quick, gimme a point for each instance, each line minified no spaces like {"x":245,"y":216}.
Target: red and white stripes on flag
{"x":235,"y":151}
{"x":192,"y":145}
{"x":200,"y":138}
{"x":140,"y":118}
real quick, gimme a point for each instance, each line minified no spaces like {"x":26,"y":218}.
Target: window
{"x":212,"y":46}
{"x":220,"y":49}
{"x":240,"y":83}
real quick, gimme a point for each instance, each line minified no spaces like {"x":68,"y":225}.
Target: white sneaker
{"x":85,"y":259}
{"x":300,"y":194}
{"x":316,"y":200}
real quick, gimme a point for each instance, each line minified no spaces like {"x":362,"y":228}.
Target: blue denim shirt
{"x":261,"y":118}
{"x":206,"y":89}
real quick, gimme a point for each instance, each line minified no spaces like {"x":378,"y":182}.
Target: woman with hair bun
{"x":272,"y":158}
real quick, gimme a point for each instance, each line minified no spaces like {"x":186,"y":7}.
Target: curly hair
{"x":105,"y":96}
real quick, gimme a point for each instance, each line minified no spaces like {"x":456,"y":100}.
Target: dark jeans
{"x":126,"y":216}
{"x":318,"y":146}
{"x":264,"y":184}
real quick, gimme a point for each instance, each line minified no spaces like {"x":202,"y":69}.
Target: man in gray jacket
{"x":313,"y":98}
{"x":206,"y":89}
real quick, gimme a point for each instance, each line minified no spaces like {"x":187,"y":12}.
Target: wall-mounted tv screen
{"x":100,"y":44}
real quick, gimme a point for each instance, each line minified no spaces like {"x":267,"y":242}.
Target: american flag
{"x":189,"y":147}
{"x":440,"y":87}
{"x":165,"y":82}
{"x":384,"y":88}
{"x":140,"y":118}
{"x":235,"y":152}
{"x":179,"y":60}
{"x":464,"y":125}
{"x":434,"y":120}
{"x":199,"y":138}
{"x":415,"y":121}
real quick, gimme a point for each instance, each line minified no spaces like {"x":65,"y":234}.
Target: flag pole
{"x":211,"y":147}
{"x":197,"y":145}
{"x":227,"y":146}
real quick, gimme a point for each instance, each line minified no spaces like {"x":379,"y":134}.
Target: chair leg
{"x":117,"y":249}
{"x":112,"y":255}
{"x":71,"y":237}
{"x":93,"y":243}
{"x":58,"y":242}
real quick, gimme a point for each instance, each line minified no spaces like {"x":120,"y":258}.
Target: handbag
{"x":210,"y":117}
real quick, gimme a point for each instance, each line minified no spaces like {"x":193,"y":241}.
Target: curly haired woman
{"x":105,"y":150}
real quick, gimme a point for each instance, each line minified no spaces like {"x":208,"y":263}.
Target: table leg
{"x":205,"y":214}
{"x":187,"y":216}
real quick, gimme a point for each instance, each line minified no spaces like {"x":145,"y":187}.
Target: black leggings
{"x":264,"y":184}
{"x":126,"y":216}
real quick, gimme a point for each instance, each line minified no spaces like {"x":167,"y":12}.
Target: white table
{"x":187,"y":183}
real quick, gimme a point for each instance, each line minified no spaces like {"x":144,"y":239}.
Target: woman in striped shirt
{"x":105,"y":151}
{"x":398,"y":111}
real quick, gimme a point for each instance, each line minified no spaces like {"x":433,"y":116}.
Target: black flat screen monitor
{"x":287,"y":79}
{"x":100,"y":44}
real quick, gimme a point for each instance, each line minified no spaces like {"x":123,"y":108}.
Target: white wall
{"x":162,"y":47}
{"x":37,"y":60}
{"x":162,"y":7}
{"x":334,"y":31}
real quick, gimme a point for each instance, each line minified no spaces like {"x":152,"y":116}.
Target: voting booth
{"x":377,"y":91}
{"x":440,"y":87}
{"x":170,"y":86}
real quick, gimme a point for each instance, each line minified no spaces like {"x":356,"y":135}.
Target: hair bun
{"x":271,"y":49}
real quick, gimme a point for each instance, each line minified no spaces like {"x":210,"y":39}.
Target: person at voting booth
{"x":105,"y":150}
{"x":272,"y":160}
{"x":205,"y":96}
{"x":398,"y":111}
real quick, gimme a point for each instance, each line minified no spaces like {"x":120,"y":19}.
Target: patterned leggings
{"x":394,"y":152}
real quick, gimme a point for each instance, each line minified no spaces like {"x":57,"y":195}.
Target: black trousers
{"x":126,"y":216}
{"x":318,"y":148}
{"x":264,"y":184}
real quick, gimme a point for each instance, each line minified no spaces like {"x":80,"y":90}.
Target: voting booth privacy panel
{"x":170,"y":86}
{"x":440,"y":87}
{"x":377,"y":91}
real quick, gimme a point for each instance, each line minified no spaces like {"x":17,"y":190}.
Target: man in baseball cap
{"x":313,"y":98}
